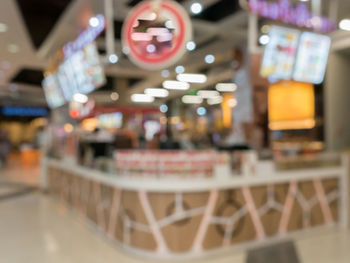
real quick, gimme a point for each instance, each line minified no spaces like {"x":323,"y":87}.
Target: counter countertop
{"x":166,"y":185}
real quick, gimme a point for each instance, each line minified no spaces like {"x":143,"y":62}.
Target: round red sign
{"x":155,"y":34}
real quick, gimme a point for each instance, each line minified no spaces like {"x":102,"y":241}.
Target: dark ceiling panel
{"x":133,"y":81}
{"x":219,"y":10}
{"x":28,"y":76}
{"x":109,"y":86}
{"x":118,"y":25}
{"x":40,"y":16}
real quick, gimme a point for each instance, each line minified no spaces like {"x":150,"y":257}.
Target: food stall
{"x":176,"y":204}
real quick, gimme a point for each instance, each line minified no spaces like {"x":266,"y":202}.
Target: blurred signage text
{"x":298,"y":15}
{"x":86,"y":37}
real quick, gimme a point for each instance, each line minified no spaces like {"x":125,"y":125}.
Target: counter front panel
{"x":185,"y":223}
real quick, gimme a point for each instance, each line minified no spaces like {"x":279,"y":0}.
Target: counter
{"x":172,"y":218}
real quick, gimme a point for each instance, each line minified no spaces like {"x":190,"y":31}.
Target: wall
{"x":337,"y":101}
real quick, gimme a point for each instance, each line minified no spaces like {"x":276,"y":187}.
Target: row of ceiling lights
{"x":11,"y":48}
{"x":182,"y":82}
{"x":213,"y":97}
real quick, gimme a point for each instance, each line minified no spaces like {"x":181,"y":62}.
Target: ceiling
{"x":36,"y":29}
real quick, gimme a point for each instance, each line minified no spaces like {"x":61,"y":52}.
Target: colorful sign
{"x":284,"y":11}
{"x":280,"y":53}
{"x":24,"y":111}
{"x":312,"y":58}
{"x":86,"y":37}
{"x":155,"y":34}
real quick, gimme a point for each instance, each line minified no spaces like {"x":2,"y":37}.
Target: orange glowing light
{"x":74,"y":114}
{"x":291,"y":106}
{"x":226,"y":106}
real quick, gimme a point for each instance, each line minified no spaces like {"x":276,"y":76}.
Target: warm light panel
{"x":291,"y":105}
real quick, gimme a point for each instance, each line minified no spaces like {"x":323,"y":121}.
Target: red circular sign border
{"x":128,"y":27}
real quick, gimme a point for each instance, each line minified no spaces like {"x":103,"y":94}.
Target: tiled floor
{"x":34,"y":229}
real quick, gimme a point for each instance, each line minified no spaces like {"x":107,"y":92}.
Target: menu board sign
{"x":80,"y":73}
{"x":280,"y":53}
{"x":53,"y":92}
{"x":312,"y":58}
{"x":66,"y":79}
{"x":110,"y":120}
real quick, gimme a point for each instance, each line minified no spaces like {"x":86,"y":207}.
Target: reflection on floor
{"x":35,"y":229}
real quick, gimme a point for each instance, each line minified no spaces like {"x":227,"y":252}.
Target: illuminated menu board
{"x":110,"y":120}
{"x":94,"y":73}
{"x":65,"y":76}
{"x":280,"y":53}
{"x":79,"y":73}
{"x":53,"y":92}
{"x":312,"y":58}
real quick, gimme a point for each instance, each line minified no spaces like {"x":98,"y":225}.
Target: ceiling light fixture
{"x":163,"y":108}
{"x":176,"y":85}
{"x":165,"y":73}
{"x":209,"y":59}
{"x":126,"y":50}
{"x":232,"y":103}
{"x":3,"y":28}
{"x":81,"y":98}
{"x":191,"y":45}
{"x":94,"y":22}
{"x":201,"y":111}
{"x":114,"y":96}
{"x":215,"y":100}
{"x":113,"y":58}
{"x":226,"y":87}
{"x":196,"y":8}
{"x":180,"y":69}
{"x":157,"y":93}
{"x":345,"y":24}
{"x":265,"y":29}
{"x":192,"y":78}
{"x":264,"y":40}
{"x":207,"y":94}
{"x":142,"y":98}
{"x":12,"y":48}
{"x":192,"y":99}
